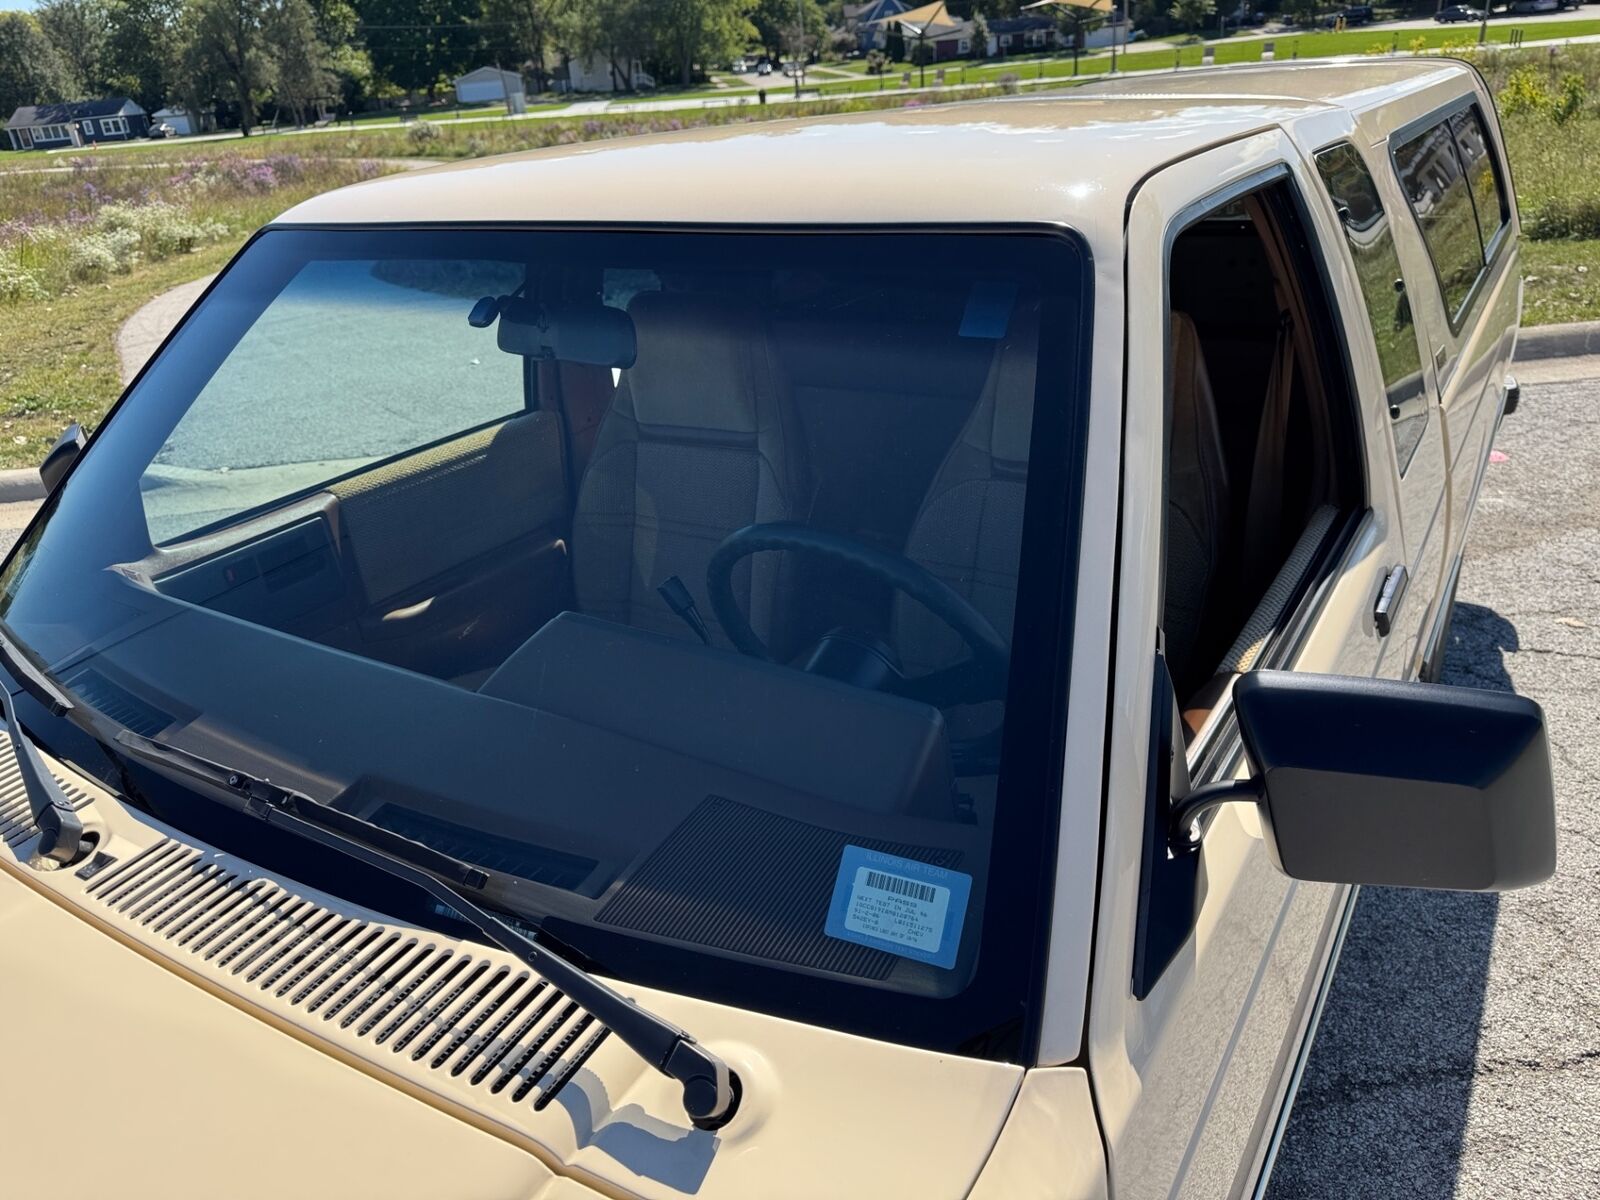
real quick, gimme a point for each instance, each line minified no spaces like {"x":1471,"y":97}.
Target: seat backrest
{"x":968,"y":532}
{"x":1197,"y":505}
{"x":699,"y":442}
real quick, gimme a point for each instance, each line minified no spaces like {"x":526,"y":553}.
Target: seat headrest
{"x":1002,"y":425}
{"x":702,"y":363}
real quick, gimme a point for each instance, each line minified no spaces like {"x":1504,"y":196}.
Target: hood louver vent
{"x":16,"y":817}
{"x":459,"y":1012}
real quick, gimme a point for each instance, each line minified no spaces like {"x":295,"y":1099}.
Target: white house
{"x":595,"y":74}
{"x":491,"y":85}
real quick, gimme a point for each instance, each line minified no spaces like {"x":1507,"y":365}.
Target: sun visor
{"x":576,"y":332}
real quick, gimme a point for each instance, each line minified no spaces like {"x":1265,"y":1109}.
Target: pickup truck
{"x":610,"y":671}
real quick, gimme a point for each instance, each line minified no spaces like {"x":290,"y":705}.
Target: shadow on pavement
{"x":1382,"y":1109}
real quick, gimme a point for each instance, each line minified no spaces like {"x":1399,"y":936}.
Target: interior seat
{"x":1198,"y":507}
{"x":968,"y":531}
{"x":700,"y":441}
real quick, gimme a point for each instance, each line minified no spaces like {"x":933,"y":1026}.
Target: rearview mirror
{"x":1383,"y":782}
{"x":575,"y":332}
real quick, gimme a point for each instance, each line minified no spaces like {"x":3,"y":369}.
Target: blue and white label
{"x":911,"y":909}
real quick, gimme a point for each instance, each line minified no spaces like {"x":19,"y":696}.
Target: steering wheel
{"x":973,"y":680}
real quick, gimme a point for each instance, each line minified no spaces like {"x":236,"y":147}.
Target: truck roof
{"x":1024,"y":159}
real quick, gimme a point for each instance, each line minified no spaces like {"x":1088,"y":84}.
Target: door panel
{"x":1189,"y":1080}
{"x":459,"y":549}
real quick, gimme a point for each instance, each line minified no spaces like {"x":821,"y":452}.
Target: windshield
{"x":678,"y":575}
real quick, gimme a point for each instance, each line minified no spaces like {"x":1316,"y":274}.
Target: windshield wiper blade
{"x":60,"y":827}
{"x":711,"y":1091}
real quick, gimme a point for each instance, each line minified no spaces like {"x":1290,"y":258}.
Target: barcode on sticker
{"x":897,"y":886}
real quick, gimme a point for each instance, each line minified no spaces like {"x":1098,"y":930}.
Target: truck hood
{"x":188,"y":1024}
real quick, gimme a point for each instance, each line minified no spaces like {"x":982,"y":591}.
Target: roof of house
{"x":872,"y":10}
{"x":1070,"y":158}
{"x":72,"y":110}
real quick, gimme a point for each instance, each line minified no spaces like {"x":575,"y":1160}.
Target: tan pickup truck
{"x":851,"y":657}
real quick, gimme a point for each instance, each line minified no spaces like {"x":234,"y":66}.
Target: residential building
{"x":490,"y":85}
{"x":76,"y":123}
{"x":859,"y":18}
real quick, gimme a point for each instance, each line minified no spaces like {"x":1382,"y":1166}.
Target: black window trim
{"x":1017,"y":1041}
{"x":1218,"y":747}
{"x":1491,"y":248}
{"x":1422,"y":349}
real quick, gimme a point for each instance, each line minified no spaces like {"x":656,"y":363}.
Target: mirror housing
{"x":62,"y":455}
{"x":1401,"y":784}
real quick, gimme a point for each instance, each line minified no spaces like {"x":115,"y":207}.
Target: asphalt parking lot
{"x":1459,"y":1054}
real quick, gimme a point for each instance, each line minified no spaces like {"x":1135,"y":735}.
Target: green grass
{"x":71,"y":374}
{"x":1560,"y":281}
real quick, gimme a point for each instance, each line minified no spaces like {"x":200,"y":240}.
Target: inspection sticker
{"x":908,"y":908}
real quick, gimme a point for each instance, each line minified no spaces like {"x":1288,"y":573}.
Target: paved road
{"x":1459,"y":1054}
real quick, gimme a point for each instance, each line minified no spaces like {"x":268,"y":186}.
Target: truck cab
{"x":617,"y":672}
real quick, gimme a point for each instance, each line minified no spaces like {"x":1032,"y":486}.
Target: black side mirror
{"x":1382,"y":782}
{"x":62,"y":455}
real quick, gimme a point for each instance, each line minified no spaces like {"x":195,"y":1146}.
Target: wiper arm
{"x":711,"y":1091}
{"x":60,"y":827}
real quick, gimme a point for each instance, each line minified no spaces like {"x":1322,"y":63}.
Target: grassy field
{"x":81,"y":251}
{"x":81,"y":248}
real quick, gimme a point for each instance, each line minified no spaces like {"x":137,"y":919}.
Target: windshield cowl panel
{"x":676,"y":580}
{"x":411,"y":1006}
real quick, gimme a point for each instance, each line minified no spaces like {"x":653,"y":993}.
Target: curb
{"x":1559,"y":341}
{"x":23,"y":484}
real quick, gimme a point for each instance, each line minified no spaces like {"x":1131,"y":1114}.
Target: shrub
{"x":94,"y":255}
{"x":423,"y":133}
{"x":1524,"y":92}
{"x":477,"y":147}
{"x":162,"y":229}
{"x":1571,"y":95}
{"x":1417,"y":45}
{"x":1009,"y":84}
{"x":17,"y":282}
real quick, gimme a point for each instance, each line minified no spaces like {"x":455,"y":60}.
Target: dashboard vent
{"x":488,"y":1019}
{"x":16,"y":817}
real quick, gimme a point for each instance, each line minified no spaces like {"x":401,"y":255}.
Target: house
{"x":76,"y":123}
{"x":183,"y":121}
{"x":596,"y":74}
{"x":1021,"y":35}
{"x":859,"y":20}
{"x":491,"y":85}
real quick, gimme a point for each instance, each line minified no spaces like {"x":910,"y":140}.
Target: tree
{"x":226,"y":45}
{"x":516,"y":31}
{"x":614,"y":31}
{"x":144,"y":50}
{"x":80,"y":31}
{"x":776,"y":21}
{"x":30,"y":70}
{"x":338,"y":25}
{"x":1193,"y":14}
{"x":415,"y":44}
{"x":686,"y":32}
{"x":1076,"y":24}
{"x":980,"y":35}
{"x":302,"y":80}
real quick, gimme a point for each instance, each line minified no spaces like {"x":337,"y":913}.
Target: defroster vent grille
{"x":491,"y":1020}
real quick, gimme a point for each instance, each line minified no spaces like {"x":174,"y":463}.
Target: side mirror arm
{"x":1181,"y":835}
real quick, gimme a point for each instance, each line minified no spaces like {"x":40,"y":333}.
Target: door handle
{"x":1394,"y":591}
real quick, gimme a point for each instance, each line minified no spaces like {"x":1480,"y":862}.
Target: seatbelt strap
{"x":1264,"y":513}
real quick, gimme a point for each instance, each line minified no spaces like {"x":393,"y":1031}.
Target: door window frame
{"x":1491,"y":248}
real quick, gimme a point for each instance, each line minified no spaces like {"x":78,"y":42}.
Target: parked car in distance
{"x":764,"y":682}
{"x":1358,"y":14}
{"x":1453,"y":13}
{"x":160,"y":129}
{"x":1529,"y":7}
{"x":763,"y":67}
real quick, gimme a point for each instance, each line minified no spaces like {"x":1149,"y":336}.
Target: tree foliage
{"x":80,"y":31}
{"x":31,"y":72}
